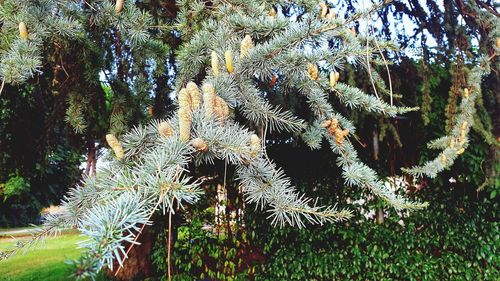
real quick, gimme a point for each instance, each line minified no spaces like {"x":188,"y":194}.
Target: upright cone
{"x":466,"y":93}
{"x":194,"y":94}
{"x":200,"y":145}
{"x":215,"y":63}
{"x":246,"y":45}
{"x":115,"y":145}
{"x":272,"y":12}
{"x":184,"y":124}
{"x":119,"y":6}
{"x":331,"y":15}
{"x":221,"y":108}
{"x":23,"y":30}
{"x":443,"y":159}
{"x":209,"y":99}
{"x":184,"y":99}
{"x":228,"y":57}
{"x":333,"y":79}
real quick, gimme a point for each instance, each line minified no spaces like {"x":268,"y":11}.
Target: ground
{"x":46,"y":262}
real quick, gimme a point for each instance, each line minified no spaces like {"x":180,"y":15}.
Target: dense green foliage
{"x":453,"y":240}
{"x":38,"y":160}
{"x":456,"y":238}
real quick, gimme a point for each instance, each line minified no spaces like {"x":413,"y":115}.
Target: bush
{"x":452,"y":240}
{"x":15,"y":186}
{"x":455,"y":239}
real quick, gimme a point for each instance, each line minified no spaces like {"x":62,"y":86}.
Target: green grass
{"x":46,"y":262}
{"x":17,"y":228}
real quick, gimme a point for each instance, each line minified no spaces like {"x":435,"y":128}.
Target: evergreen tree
{"x":241,"y":62}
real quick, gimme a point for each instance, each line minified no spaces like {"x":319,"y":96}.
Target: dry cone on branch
{"x":312,"y":69}
{"x":330,"y":125}
{"x":255,"y":145}
{"x":333,"y":128}
{"x":200,"y":145}
{"x":165,"y":130}
{"x":323,"y":9}
{"x":340,"y":135}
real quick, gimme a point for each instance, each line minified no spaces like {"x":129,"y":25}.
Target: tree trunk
{"x":91,"y":159}
{"x":379,"y":219}
{"x":138,"y":266}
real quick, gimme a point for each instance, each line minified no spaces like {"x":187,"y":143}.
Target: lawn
{"x":46,"y":262}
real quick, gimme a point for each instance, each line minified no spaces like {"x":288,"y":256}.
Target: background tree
{"x":85,"y":69}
